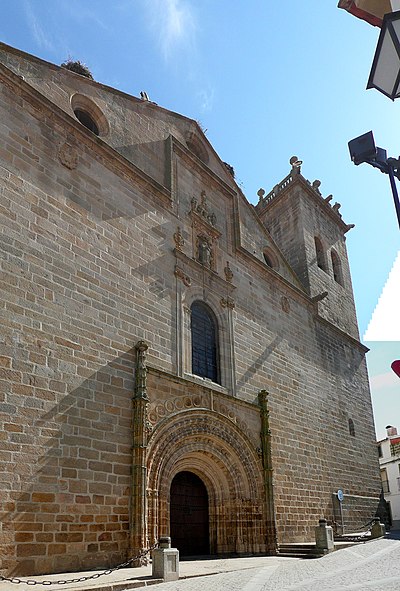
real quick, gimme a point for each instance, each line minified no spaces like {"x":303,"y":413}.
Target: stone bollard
{"x":324,"y":536}
{"x":165,"y":561}
{"x":378,"y":529}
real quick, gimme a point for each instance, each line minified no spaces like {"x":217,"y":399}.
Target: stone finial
{"x":295,"y":163}
{"x":260,"y":193}
{"x":336,"y":208}
{"x":316,"y":185}
{"x":329,"y":198}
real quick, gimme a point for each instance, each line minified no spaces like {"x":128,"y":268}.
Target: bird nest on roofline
{"x":77,"y":67}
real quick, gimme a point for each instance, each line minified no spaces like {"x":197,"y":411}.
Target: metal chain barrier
{"x":362,"y":536}
{"x":32,"y":582}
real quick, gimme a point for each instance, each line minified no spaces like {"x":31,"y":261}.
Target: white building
{"x":389,"y":460}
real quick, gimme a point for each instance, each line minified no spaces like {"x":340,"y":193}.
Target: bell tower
{"x":311,"y":234}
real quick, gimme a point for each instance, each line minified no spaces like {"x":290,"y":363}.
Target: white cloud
{"x":206,"y":98}
{"x":82,"y":11}
{"x":384,"y":380}
{"x":38,"y":33}
{"x":174,"y":23}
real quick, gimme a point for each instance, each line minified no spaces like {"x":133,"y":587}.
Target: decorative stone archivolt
{"x":159,"y":411}
{"x":220,"y":454}
{"x":232,"y":416}
{"x":204,"y":433}
{"x":174,"y":405}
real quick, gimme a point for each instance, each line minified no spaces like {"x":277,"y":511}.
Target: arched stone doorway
{"x":189,"y":519}
{"x":219,"y":453}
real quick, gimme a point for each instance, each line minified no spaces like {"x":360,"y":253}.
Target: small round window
{"x":270,"y":258}
{"x":267,"y":260}
{"x":89,"y":114}
{"x":86,"y":120}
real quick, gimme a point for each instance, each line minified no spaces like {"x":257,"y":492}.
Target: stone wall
{"x":97,"y":255}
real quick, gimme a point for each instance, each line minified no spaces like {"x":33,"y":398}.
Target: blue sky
{"x":266,"y":80}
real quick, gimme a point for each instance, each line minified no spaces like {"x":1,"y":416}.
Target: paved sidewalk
{"x":373,"y":566}
{"x":132,"y":578}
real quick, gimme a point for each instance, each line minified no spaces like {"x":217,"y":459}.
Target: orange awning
{"x":371,"y":11}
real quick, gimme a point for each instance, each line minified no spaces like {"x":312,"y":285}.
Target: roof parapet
{"x":265,"y":200}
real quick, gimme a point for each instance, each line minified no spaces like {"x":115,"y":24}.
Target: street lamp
{"x":363,"y":149}
{"x":385,"y":71}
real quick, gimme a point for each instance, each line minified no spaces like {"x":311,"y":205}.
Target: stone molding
{"x":65,"y":124}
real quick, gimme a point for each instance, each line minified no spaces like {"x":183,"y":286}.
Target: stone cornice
{"x":268,"y":271}
{"x":311,"y":302}
{"x":197,"y":164}
{"x":298,"y":179}
{"x":66,"y":125}
{"x":342,"y":333}
{"x":215,"y":389}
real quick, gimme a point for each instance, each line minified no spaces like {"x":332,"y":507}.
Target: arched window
{"x":267,"y":260}
{"x":352,"y":430}
{"x":270,"y":258}
{"x":319,"y":251}
{"x":89,"y":114}
{"x":204,"y":342}
{"x":337,"y":267}
{"x":86,"y":120}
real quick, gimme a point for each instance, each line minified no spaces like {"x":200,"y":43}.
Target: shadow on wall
{"x":259,"y":362}
{"x":73,"y":477}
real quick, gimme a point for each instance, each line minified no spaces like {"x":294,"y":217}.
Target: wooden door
{"x":189,"y":515}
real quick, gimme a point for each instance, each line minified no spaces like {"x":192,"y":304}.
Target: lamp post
{"x":385,"y":71}
{"x":363,"y":149}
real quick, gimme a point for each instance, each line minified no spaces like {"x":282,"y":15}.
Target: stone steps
{"x":299,"y":551}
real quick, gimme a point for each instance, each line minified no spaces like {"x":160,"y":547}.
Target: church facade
{"x":173,"y":360}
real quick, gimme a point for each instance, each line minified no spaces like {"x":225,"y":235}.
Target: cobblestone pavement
{"x":374,"y":566}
